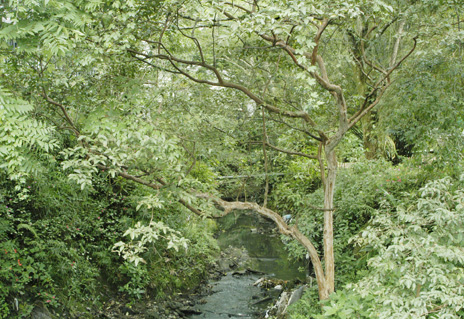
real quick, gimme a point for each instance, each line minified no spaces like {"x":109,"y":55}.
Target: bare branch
{"x":290,"y":152}
{"x":296,"y":128}
{"x":321,"y":29}
{"x":270,"y":47}
{"x":183,"y":202}
{"x":292,"y":53}
{"x":154,"y":66}
{"x":195,"y":40}
{"x":131,"y":177}
{"x":397,"y":44}
{"x":369,"y":62}
{"x":265,"y":138}
{"x":166,"y":24}
{"x":230,"y":16}
{"x":203,"y":21}
{"x":255,"y":6}
{"x":321,"y":164}
{"x":386,"y":26}
{"x":375,"y":26}
{"x":283,"y":227}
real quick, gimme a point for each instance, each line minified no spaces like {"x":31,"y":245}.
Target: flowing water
{"x":234,"y":296}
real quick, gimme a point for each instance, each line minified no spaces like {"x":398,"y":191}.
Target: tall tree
{"x":256,"y":33}
{"x":285,"y":59}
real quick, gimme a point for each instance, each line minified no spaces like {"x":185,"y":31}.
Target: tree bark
{"x":329,"y":189}
{"x":370,"y":142}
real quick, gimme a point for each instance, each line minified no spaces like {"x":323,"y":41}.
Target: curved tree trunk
{"x":324,"y":286}
{"x":325,"y":277}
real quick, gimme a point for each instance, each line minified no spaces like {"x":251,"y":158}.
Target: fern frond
{"x":29,"y":228}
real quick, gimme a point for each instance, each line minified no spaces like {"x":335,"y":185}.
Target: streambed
{"x":252,"y":249}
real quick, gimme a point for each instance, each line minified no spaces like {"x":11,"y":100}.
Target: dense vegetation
{"x":120,"y":119}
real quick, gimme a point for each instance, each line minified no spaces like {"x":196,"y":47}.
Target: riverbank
{"x":249,"y":275}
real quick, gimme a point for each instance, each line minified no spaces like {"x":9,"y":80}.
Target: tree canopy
{"x":155,"y":100}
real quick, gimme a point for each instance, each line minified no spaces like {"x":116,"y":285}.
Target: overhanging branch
{"x":220,"y":82}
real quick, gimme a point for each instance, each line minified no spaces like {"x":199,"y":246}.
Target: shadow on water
{"x":234,"y":295}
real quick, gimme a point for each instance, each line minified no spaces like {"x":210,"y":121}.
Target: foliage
{"x":41,"y":261}
{"x":360,"y":190}
{"x":429,"y":121}
{"x":142,"y":236}
{"x":414,"y":255}
{"x":433,"y":131}
{"x":57,"y":241}
{"x":90,"y":90}
{"x":21,"y":137}
{"x":172,"y":271}
{"x":50,"y":25}
{"x":419,"y":267}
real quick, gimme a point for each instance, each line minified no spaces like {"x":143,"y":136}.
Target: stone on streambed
{"x":250,"y":250}
{"x":286,"y":299}
{"x":296,"y":295}
{"x":233,"y":258}
{"x":275,"y":283}
{"x":282,"y":304}
{"x":40,"y":312}
{"x":259,"y":282}
{"x":190,"y":311}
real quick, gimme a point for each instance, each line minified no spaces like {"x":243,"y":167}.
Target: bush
{"x":415,"y":264}
{"x":57,"y":239}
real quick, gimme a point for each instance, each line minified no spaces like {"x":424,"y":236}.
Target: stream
{"x":249,"y":242}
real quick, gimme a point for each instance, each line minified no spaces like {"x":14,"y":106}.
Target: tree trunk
{"x":323,"y":285}
{"x":370,"y":142}
{"x":329,"y":188}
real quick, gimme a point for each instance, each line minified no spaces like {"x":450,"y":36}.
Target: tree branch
{"x":237,"y":6}
{"x":370,"y":63}
{"x":221,"y":82}
{"x":283,"y":227}
{"x":321,"y":29}
{"x":131,"y":177}
{"x":154,"y":66}
{"x":290,"y":152}
{"x":363,"y":110}
{"x":321,"y":164}
{"x":397,"y":44}
{"x":65,"y":113}
{"x":296,"y":129}
{"x":166,"y":24}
